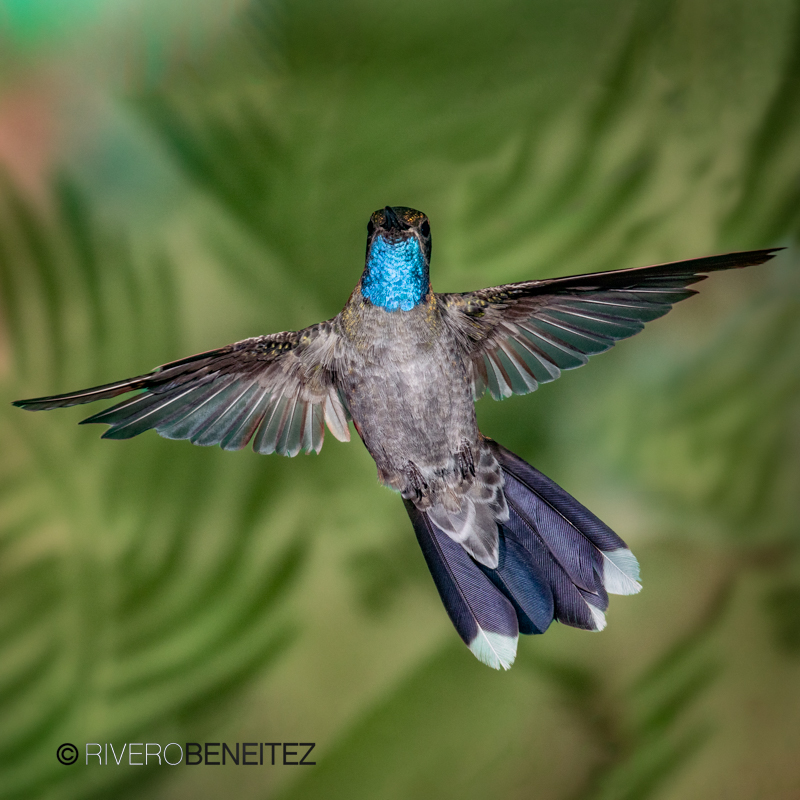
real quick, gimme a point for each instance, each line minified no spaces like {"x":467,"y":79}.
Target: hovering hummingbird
{"x":508,"y":549}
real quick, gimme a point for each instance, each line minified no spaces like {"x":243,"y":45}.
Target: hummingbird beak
{"x":391,"y":222}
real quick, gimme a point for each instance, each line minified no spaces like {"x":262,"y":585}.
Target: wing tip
{"x":43,"y":403}
{"x":757,"y":256}
{"x":104,"y":392}
{"x":737,"y":259}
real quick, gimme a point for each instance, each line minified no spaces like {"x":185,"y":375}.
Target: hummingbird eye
{"x":370,"y":228}
{"x":425,"y":228}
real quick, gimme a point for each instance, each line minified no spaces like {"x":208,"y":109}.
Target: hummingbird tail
{"x":556,"y":561}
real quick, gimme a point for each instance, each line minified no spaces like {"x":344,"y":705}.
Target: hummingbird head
{"x":398,"y":254}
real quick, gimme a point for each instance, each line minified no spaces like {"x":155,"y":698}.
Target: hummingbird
{"x":508,"y":549}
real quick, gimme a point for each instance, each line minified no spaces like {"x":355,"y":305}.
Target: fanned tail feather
{"x":557,"y":561}
{"x":483,"y":616}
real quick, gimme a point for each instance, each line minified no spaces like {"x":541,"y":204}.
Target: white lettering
{"x":99,"y":751}
{"x":131,"y":754}
{"x":147,"y":752}
{"x":173,"y":763}
{"x":122,"y":753}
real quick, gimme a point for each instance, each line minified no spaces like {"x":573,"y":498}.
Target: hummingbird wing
{"x":523,"y":334}
{"x":276,"y":390}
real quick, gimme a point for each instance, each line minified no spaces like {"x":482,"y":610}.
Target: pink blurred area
{"x":29,"y":132}
{"x":60,"y":58}
{"x":67,"y":71}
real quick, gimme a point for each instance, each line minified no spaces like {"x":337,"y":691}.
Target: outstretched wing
{"x":524,"y":334}
{"x":276,"y":390}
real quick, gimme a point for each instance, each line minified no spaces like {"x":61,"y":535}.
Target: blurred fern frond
{"x":137,"y":590}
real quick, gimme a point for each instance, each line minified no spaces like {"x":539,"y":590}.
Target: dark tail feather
{"x":524,"y":583}
{"x":582,"y":559}
{"x":484,"y":618}
{"x":578,"y":547}
{"x":556,"y":561}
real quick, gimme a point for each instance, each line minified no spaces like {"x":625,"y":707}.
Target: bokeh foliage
{"x":213,"y":188}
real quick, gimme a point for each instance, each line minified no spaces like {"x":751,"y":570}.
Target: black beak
{"x":391,"y":221}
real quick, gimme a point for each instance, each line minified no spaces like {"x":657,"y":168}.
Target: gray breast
{"x":407,"y":390}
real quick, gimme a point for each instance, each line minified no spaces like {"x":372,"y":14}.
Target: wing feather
{"x":277,"y":390}
{"x":523,"y":334}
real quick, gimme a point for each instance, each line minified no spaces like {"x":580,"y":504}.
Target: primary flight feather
{"x":508,"y":549}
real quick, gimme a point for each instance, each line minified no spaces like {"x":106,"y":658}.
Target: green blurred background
{"x":176,"y":176}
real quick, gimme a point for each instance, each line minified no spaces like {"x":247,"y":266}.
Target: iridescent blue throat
{"x":396,"y":276}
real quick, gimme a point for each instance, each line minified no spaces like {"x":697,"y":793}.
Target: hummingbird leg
{"x":416,"y":487}
{"x":465,"y":461}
